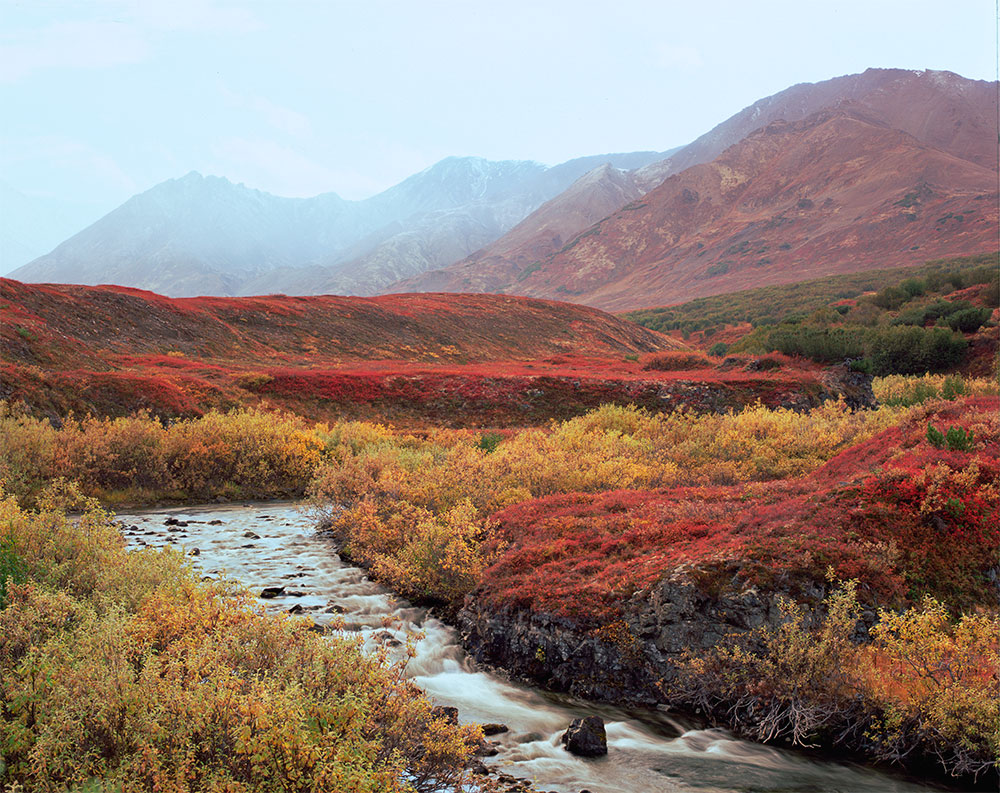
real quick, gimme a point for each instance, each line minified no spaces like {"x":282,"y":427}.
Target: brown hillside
{"x":941,"y":110}
{"x":837,"y":192}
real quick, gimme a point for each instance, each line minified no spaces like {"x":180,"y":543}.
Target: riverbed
{"x":649,"y":751}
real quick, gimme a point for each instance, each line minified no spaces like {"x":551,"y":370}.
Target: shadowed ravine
{"x":274,"y":545}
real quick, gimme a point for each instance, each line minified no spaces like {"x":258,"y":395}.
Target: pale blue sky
{"x":104,"y":98}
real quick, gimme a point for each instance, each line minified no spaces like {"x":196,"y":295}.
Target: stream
{"x":275,"y":545}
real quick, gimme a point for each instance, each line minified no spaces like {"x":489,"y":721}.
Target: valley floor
{"x":820,"y":577}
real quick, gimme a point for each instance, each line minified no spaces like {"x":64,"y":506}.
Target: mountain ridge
{"x":831,"y":193}
{"x":939,"y":111}
{"x":205,"y":235}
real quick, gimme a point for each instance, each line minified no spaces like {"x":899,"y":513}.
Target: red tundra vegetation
{"x":484,"y":360}
{"x":898,"y":514}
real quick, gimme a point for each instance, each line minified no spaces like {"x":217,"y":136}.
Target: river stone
{"x":251,"y":535}
{"x":586,"y":737}
{"x":493,"y":728}
{"x":271,"y":592}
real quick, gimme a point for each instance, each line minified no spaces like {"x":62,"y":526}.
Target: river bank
{"x":275,"y":545}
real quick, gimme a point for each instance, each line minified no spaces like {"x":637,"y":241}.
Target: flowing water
{"x":275,"y":545}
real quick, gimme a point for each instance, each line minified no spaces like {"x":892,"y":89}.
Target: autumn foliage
{"x":922,"y":686}
{"x":122,"y":668}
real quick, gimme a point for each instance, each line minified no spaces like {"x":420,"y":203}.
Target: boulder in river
{"x":493,"y":728}
{"x":269,"y":592}
{"x":586,"y":737}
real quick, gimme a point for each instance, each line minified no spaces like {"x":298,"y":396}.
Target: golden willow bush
{"x":120,"y":671}
{"x":257,"y":454}
{"x":903,"y":390}
{"x":416,"y":510}
{"x":924,"y":685}
{"x":242,"y":454}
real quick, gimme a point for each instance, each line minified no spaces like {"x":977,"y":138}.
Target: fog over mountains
{"x":888,"y":167}
{"x":31,"y":226}
{"x":205,"y":235}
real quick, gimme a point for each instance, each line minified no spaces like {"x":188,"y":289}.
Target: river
{"x":275,"y":545}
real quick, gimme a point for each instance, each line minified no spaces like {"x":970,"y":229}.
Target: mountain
{"x":941,"y":109}
{"x":835,"y":192}
{"x":592,"y":197}
{"x":558,"y":251}
{"x":205,"y":235}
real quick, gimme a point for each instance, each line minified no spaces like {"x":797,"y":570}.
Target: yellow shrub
{"x":123,"y":668}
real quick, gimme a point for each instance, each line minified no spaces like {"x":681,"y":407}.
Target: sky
{"x":102,"y":99}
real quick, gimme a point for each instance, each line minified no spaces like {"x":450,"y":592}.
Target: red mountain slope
{"x":837,"y":192}
{"x":940,"y":110}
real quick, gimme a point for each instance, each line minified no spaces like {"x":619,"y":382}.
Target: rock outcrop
{"x":628,"y":661}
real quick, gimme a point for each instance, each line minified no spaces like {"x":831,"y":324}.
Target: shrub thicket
{"x":771,"y":305}
{"x":122,"y":671}
{"x":901,"y":349}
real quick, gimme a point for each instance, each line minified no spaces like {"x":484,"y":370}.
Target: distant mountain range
{"x":204,"y":235}
{"x":888,"y":167}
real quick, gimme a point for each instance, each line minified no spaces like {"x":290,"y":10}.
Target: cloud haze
{"x":104,"y":98}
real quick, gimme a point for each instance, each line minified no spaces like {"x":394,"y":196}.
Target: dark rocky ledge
{"x":629,"y":661}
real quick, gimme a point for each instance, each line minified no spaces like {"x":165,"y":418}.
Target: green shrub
{"x":900,"y":349}
{"x":958,"y":439}
{"x":969,"y":320}
{"x":891,"y":298}
{"x":718,"y":349}
{"x":914,"y":287}
{"x":955,"y":439}
{"x":909,"y":350}
{"x":489,"y":441}
{"x":10,"y":569}
{"x":820,"y":344}
{"x":953,"y":387}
